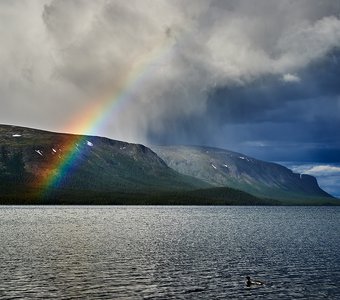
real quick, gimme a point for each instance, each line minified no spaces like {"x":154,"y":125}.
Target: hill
{"x":41,"y":167}
{"x":223,"y":168}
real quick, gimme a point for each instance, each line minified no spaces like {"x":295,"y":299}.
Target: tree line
{"x":12,"y":165}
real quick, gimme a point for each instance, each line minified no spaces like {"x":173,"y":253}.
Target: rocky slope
{"x":225,"y":168}
{"x":97,"y":170}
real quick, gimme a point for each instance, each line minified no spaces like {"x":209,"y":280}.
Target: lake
{"x":164,"y":252}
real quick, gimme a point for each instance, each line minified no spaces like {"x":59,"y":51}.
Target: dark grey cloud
{"x":271,"y":118}
{"x":258,"y":76}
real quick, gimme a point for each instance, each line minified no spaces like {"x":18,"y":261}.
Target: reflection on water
{"x":169,"y":252}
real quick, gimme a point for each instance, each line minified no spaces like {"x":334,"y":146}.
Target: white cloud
{"x":58,"y":57}
{"x":328,"y":175}
{"x":290,"y":78}
{"x":256,"y":144}
{"x":321,"y":170}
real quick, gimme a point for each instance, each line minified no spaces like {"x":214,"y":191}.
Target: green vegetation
{"x":12,"y":194}
{"x":217,"y":196}
{"x":12,"y":166}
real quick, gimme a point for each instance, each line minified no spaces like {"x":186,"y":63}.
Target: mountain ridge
{"x":106,"y":171}
{"x":221,"y":167}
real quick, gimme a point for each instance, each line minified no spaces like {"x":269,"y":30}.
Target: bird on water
{"x":250,"y":282}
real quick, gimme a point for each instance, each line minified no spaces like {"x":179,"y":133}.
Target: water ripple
{"x":169,"y":252}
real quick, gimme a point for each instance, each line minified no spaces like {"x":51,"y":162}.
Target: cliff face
{"x":230,"y":169}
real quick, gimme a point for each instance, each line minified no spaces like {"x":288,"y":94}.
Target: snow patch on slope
{"x":39,"y":152}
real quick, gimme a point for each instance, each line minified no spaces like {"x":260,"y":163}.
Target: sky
{"x":260,"y":77}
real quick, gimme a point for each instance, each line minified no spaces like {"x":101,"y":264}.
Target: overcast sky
{"x":259,"y":77}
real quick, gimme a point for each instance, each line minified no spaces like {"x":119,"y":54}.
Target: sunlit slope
{"x":98,"y":164}
{"x":225,"y":168}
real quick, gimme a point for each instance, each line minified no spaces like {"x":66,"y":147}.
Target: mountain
{"x":41,"y":167}
{"x":223,"y":168}
{"x":95,"y":170}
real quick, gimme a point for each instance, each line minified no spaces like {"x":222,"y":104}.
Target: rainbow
{"x":94,"y":116}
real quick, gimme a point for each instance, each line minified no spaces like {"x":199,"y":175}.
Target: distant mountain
{"x":225,"y":168}
{"x":100,"y":171}
{"x":97,"y":170}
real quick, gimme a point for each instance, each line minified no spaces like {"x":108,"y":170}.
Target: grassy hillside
{"x":98,"y":164}
{"x":104,"y":171}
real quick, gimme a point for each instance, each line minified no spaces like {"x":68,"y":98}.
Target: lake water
{"x":169,"y":252}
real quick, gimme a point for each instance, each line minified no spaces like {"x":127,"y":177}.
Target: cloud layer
{"x":198,"y":63}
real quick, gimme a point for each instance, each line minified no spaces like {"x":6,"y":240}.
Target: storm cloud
{"x":254,"y":76}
